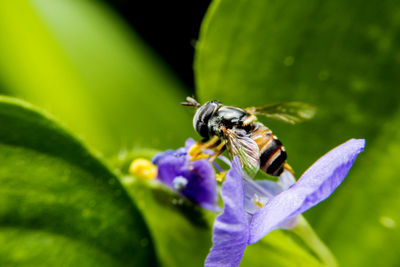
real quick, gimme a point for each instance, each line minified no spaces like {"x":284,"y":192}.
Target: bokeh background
{"x":114,"y":72}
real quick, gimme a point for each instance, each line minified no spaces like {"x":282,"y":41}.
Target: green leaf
{"x":279,"y":248}
{"x":59,"y":204}
{"x":367,"y":212}
{"x":181,"y":235}
{"x":85,"y":66}
{"x":340,"y":56}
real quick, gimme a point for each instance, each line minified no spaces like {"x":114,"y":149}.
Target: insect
{"x":239,"y":130}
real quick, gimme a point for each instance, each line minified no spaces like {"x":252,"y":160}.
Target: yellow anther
{"x":195,"y":149}
{"x":200,"y":156}
{"x":258,"y":203}
{"x":143,"y":168}
{"x":221,"y":176}
{"x":196,"y":152}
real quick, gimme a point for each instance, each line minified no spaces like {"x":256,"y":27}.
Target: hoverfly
{"x":238,"y":130}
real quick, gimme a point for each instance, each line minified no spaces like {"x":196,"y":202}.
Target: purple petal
{"x":202,"y":184}
{"x":169,"y":167}
{"x":315,"y":185}
{"x":231,"y":233}
{"x":178,"y":153}
{"x":263,"y":190}
{"x":189,"y":143}
{"x":216,"y":165}
{"x":285,"y":181}
{"x":160,"y":156}
{"x":289,"y":223}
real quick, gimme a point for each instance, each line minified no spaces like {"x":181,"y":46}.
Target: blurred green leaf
{"x":361,"y":223}
{"x":79,"y":61}
{"x":59,"y":204}
{"x":279,"y":248}
{"x":340,"y":56}
{"x":179,"y":241}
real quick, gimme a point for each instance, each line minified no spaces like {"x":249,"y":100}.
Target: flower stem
{"x":304,"y":231}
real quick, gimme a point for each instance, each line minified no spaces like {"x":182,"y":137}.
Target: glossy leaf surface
{"x":59,"y":204}
{"x":368,"y":209}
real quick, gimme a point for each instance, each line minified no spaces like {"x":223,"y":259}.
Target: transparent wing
{"x":246,"y":149}
{"x":290,"y":112}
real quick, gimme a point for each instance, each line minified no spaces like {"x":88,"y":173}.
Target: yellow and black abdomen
{"x":272,"y":153}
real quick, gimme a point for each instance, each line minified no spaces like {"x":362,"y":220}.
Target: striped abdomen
{"x":272,"y":153}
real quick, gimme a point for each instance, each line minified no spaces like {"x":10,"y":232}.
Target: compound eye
{"x":201,"y":118}
{"x":202,"y":129}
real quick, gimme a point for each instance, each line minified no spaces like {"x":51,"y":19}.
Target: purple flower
{"x":253,"y":209}
{"x":195,"y":180}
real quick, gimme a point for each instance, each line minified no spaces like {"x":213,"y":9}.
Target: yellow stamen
{"x":211,"y":143}
{"x":143,"y":168}
{"x":258,"y":203}
{"x":219,"y":151}
{"x":200,"y":156}
{"x":196,"y":152}
{"x":195,"y":149}
{"x":221,"y":176}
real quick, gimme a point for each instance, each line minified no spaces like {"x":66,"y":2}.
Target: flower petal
{"x":315,"y":185}
{"x":189,"y":143}
{"x":257,"y":193}
{"x":286,"y":179}
{"x":160,"y":156}
{"x":230,"y":234}
{"x":194,"y":180}
{"x":169,"y":167}
{"x":202,"y":183}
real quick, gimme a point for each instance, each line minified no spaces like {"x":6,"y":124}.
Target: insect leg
{"x":249,"y":120}
{"x":197,"y":150}
{"x":288,"y":167}
{"x":211,"y":143}
{"x":219,"y":150}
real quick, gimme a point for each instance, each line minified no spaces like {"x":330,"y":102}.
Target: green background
{"x":79,"y":61}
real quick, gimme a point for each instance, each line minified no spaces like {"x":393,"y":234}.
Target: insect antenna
{"x":191,"y":102}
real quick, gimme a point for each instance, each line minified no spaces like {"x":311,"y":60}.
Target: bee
{"x":243,"y":135}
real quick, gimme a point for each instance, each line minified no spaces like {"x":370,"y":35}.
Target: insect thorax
{"x":213,"y":116}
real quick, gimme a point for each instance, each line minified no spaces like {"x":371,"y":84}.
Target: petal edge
{"x":231,"y":228}
{"x":314,"y":186}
